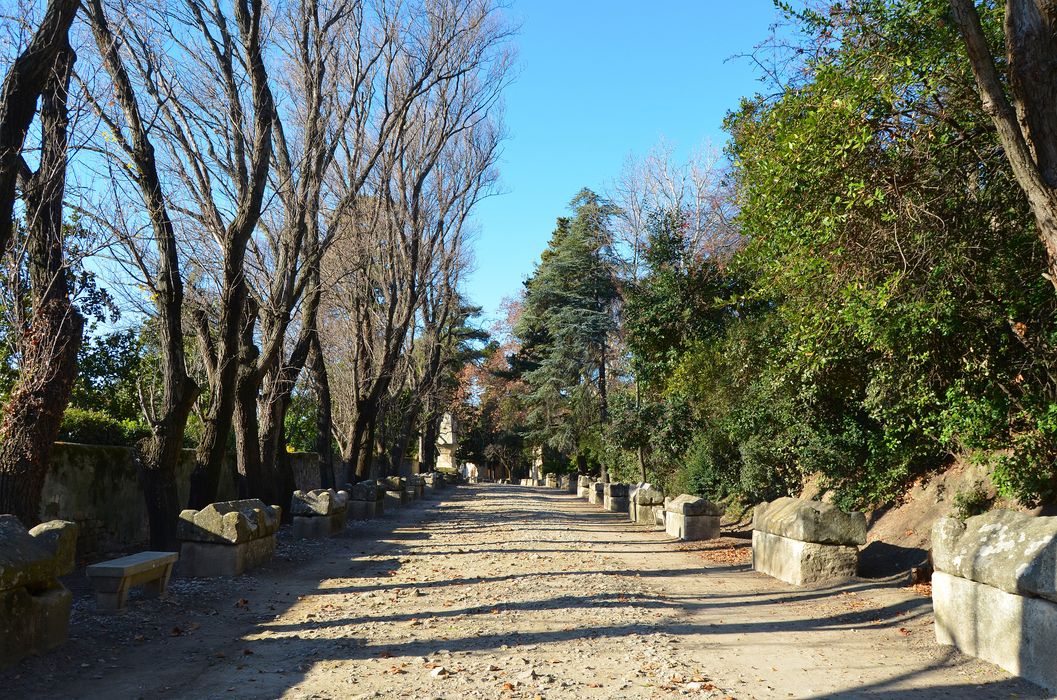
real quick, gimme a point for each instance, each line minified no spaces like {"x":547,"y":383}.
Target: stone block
{"x":229,"y":522}
{"x":1011,"y":551}
{"x":810,"y":521}
{"x":551,"y":481}
{"x":1016,"y":632}
{"x":596,"y":493}
{"x":208,"y":559}
{"x":34,"y":605}
{"x":802,"y":563}
{"x":691,"y":527}
{"x":645,"y":502}
{"x":316,"y":527}
{"x":395,"y":500}
{"x":319,"y":502}
{"x":583,"y":485}
{"x":615,"y":498}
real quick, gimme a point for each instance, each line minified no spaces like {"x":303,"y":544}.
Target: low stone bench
{"x":691,"y":518}
{"x":804,"y":542}
{"x":596,"y":493}
{"x":111,"y":580}
{"x":994,"y":590}
{"x":365,"y":500}
{"x":583,"y":484}
{"x":646,"y":505}
{"x":615,"y":498}
{"x":227,"y":538}
{"x":319,"y":513}
{"x":34,"y":605}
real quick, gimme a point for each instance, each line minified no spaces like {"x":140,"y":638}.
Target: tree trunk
{"x":324,"y":422}
{"x":48,"y":366}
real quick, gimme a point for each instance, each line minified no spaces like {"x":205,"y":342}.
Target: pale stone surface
{"x":34,"y":605}
{"x":615,"y":497}
{"x":691,"y":527}
{"x":802,"y":563}
{"x":321,"y":502}
{"x":1016,"y":632}
{"x":810,"y":521}
{"x":1011,"y":551}
{"x":645,"y":502}
{"x":229,"y":522}
{"x":686,"y":504}
{"x":208,"y":559}
{"x":551,"y":481}
{"x":583,"y":486}
{"x":596,"y":493}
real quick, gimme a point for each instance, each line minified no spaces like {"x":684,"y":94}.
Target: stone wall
{"x":97,"y":487}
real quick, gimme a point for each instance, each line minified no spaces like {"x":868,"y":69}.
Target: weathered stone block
{"x":1016,"y":632}
{"x":229,"y":522}
{"x":583,"y":485}
{"x":645,"y":502}
{"x":691,"y":518}
{"x":615,"y":498}
{"x":208,"y":559}
{"x":319,"y":502}
{"x":550,"y":481}
{"x":810,"y":521}
{"x":801,"y":563}
{"x":316,"y":527}
{"x":1011,"y":551}
{"x":34,"y":605}
{"x":596,"y":493}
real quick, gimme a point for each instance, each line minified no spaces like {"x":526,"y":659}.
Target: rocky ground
{"x":508,"y":592}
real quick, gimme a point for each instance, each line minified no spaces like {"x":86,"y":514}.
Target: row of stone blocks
{"x":684,"y":517}
{"x":222,"y":539}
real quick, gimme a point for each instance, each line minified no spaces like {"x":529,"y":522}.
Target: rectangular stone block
{"x":647,"y":515}
{"x":394,"y":500}
{"x":33,"y":623}
{"x":1018,"y":633}
{"x":802,"y":563}
{"x":691,"y":527}
{"x":615,"y":504}
{"x":208,"y":559}
{"x":317,"y":527}
{"x":596,"y":494}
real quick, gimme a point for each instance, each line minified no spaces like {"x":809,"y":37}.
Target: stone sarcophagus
{"x":366,"y":500}
{"x":646,"y":505}
{"x":583,"y":485}
{"x":34,"y":605}
{"x":804,"y":542}
{"x":551,"y":481}
{"x":615,"y":498}
{"x":688,"y":517}
{"x":227,"y":538}
{"x":319,"y":513}
{"x":396,"y":494}
{"x":994,"y":590}
{"x":596,"y":493}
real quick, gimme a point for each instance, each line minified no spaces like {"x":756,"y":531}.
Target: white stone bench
{"x":112,"y":579}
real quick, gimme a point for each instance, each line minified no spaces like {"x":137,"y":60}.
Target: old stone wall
{"x":97,"y":487}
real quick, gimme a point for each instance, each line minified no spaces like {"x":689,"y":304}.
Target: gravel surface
{"x":495,"y":591}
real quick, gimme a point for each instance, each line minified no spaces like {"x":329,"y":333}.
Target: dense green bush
{"x":97,"y":428}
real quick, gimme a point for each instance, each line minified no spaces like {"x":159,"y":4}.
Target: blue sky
{"x":596,"y":81}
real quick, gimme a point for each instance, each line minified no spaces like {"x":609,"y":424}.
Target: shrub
{"x":98,"y":428}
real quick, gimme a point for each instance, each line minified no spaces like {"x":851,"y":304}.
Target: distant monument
{"x":446,"y":443}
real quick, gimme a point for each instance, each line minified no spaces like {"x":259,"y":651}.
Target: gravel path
{"x":508,"y":592}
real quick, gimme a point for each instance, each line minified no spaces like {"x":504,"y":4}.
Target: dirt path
{"x":508,"y":592}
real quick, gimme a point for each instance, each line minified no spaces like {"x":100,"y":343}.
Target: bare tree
{"x":26,"y":79}
{"x":50,"y":340}
{"x":1027,"y":128}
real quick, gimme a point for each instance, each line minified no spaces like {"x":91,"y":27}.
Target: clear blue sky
{"x":596,"y":81}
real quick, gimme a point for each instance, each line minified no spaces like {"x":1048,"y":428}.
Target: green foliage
{"x":97,"y":428}
{"x":975,"y":501}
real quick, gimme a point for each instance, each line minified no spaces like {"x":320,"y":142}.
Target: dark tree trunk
{"x":25,"y":82}
{"x":324,"y":421}
{"x":49,"y":345}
